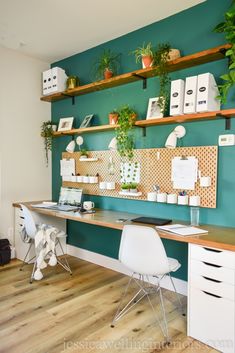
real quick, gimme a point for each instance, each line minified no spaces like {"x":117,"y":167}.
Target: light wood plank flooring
{"x":64,"y":313}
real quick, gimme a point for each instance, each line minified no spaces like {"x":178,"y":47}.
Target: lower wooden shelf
{"x":226,"y":114}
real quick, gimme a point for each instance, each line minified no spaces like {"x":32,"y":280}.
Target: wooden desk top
{"x":217,"y":237}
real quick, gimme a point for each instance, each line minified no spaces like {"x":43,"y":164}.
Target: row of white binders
{"x":53,"y":81}
{"x":197,"y":94}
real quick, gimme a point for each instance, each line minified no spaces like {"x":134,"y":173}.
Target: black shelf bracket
{"x":143,"y":128}
{"x":223,"y":51}
{"x":142,"y":78}
{"x":227,"y":123}
{"x":69,"y":95}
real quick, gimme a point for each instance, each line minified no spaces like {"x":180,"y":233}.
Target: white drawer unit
{"x":211,"y":297}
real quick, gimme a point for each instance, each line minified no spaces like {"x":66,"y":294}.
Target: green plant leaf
{"x":220,"y":27}
{"x":225,"y":77}
{"x":232,"y":66}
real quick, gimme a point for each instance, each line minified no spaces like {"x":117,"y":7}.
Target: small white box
{"x":177,"y":97}
{"x":207,"y":91}
{"x":59,"y":79}
{"x":172,"y":198}
{"x":46,"y":82}
{"x":183,"y":200}
{"x":161,"y":197}
{"x":205,"y":181}
{"x":194,"y":200}
{"x":190,"y":95}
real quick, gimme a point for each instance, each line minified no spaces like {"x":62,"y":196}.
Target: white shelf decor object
{"x":132,"y":194}
{"x":88,"y":159}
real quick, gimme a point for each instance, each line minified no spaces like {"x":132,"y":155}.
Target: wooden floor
{"x":64,"y":313}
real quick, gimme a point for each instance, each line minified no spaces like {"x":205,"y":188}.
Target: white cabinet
{"x":21,"y":247}
{"x":211,"y":297}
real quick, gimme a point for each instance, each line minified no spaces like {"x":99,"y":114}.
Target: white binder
{"x":190,"y":95}
{"x":207,"y":92}
{"x":177,"y":97}
{"x":59,"y":79}
{"x":46,"y":82}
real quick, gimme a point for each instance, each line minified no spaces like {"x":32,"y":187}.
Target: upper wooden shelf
{"x":184,"y":62}
{"x":228,"y":113}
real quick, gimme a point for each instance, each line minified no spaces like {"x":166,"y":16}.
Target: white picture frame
{"x":65,"y":124}
{"x":86,"y":121}
{"x":154,"y":111}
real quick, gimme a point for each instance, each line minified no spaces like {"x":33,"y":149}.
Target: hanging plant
{"x":124,"y":132}
{"x":228,"y":28}
{"x":161,"y":58}
{"x":47,"y":133}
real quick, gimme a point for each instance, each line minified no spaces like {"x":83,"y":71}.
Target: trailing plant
{"x":160,"y":59}
{"x":47,"y":134}
{"x":106,"y":61}
{"x":124,"y":132}
{"x":228,"y":28}
{"x":143,"y":51}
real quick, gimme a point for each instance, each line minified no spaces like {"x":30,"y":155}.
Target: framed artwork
{"x":86,"y":121}
{"x":154,"y":111}
{"x":65,"y":124}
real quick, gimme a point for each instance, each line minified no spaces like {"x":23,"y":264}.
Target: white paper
{"x":184,"y":172}
{"x":67,"y":167}
{"x":183,"y":230}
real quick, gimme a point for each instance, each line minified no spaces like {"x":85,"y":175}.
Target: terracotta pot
{"x":147,"y":61}
{"x":173,"y":54}
{"x":108,"y":74}
{"x":133,"y":117}
{"x":113,"y":118}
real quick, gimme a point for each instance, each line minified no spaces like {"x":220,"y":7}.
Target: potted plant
{"x":107,"y":64}
{"x":113,"y":117}
{"x":125,"y":187}
{"x":133,"y":187}
{"x":84,"y":153}
{"x":227,"y":27}
{"x":145,"y":55}
{"x":47,"y":132}
{"x":124,"y":133}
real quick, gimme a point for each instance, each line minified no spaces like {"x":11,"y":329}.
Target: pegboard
{"x":153,"y":171}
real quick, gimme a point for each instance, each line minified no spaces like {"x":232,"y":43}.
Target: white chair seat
{"x":174,"y":264}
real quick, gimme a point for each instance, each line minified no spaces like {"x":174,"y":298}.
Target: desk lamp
{"x":72,"y":144}
{"x":177,"y":133}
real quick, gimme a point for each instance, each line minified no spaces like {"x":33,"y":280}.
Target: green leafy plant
{"x":124,"y":132}
{"x":143,"y":51}
{"x":84,"y":152}
{"x":133,"y":186}
{"x":160,"y":59}
{"x":47,"y":134}
{"x":228,"y":28}
{"x":107,"y":61}
{"x":125,"y":186}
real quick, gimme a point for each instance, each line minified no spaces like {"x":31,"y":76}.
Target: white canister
{"x":171,"y":198}
{"x":205,"y":181}
{"x":79,"y":179}
{"x":86,"y":179}
{"x":161,"y":197}
{"x":67,"y":178}
{"x":183,"y":200}
{"x":110,"y":185}
{"x":93,"y":179}
{"x":152,"y":196}
{"x":73,"y":178}
{"x":194,"y":200}
{"x":103,"y":185}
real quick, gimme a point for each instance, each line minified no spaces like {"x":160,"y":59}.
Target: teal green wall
{"x":190,"y":31}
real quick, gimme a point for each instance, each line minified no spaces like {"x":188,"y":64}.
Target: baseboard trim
{"x":115,"y":265}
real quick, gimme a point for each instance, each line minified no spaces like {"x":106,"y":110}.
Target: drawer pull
{"x":213,"y":250}
{"x":213,"y":265}
{"x":211,"y":279}
{"x":21,"y":217}
{"x":213,"y":295}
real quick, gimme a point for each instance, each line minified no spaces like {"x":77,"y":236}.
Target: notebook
{"x":152,"y":220}
{"x":69,"y":200}
{"x":183,"y":230}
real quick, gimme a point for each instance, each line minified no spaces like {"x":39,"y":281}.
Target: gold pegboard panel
{"x":153,"y":171}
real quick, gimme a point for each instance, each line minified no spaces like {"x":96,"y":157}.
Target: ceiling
{"x":51,"y":30}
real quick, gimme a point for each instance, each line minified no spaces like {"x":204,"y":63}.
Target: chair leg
{"x":177,"y":295}
{"x":24,"y":261}
{"x":66,"y":265}
{"x":32,"y":274}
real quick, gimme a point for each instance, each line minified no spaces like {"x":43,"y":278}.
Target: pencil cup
{"x":93,"y":179}
{"x":171,"y":198}
{"x":73,"y":178}
{"x":205,"y":181}
{"x":194,"y":200}
{"x":110,"y":185}
{"x":152,"y":196}
{"x":79,"y":179}
{"x":161,"y":197}
{"x":183,"y":200}
{"x":103,"y":185}
{"x":67,"y":177}
{"x":86,"y":179}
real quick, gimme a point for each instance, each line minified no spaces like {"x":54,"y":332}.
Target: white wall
{"x":23,"y":172}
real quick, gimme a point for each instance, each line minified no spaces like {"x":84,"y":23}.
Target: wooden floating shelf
{"x":227,"y":114}
{"x":184,"y":62}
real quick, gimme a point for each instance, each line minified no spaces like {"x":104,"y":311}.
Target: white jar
{"x":110,"y":185}
{"x":194,"y":200}
{"x":79,"y":179}
{"x":73,"y":178}
{"x":93,"y":179}
{"x":171,"y":198}
{"x":152,"y":196}
{"x":103,"y":185}
{"x":161,"y":197}
{"x":183,"y":200}
{"x":86,"y":179}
